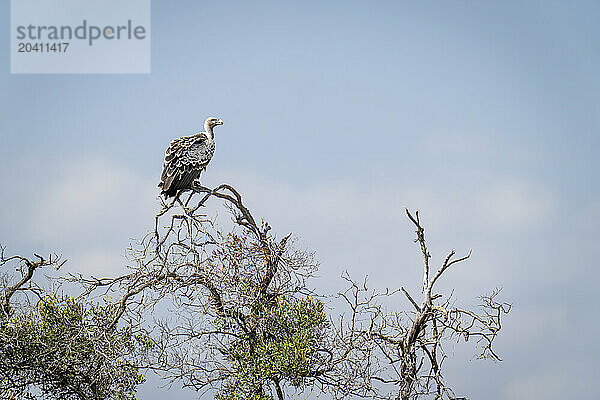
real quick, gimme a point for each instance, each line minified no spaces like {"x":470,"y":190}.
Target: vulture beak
{"x":220,"y":122}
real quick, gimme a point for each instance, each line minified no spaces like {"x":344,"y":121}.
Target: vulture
{"x":186,"y":158}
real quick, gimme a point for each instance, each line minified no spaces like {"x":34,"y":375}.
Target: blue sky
{"x":483,"y":115}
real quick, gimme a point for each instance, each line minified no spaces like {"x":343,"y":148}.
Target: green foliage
{"x":66,"y":350}
{"x":281,"y":348}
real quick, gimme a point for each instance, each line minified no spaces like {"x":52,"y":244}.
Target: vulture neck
{"x":209,"y":132}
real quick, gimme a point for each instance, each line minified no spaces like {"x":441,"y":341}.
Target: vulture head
{"x":211,"y":122}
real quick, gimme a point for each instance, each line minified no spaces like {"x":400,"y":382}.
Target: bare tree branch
{"x":413,"y":342}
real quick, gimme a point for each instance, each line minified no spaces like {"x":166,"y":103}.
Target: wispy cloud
{"x":515,"y":205}
{"x":91,"y":199}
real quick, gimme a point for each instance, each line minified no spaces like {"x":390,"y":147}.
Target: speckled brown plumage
{"x":186,"y":158}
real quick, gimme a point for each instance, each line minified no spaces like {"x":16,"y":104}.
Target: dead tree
{"x":404,"y":351}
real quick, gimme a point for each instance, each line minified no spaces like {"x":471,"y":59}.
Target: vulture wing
{"x":185,"y":159}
